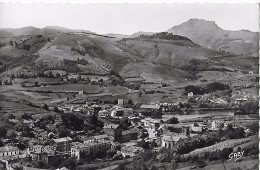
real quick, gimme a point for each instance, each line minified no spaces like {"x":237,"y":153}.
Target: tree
{"x":26,"y":116}
{"x":173,"y":165}
{"x":3,"y":131}
{"x":56,"y":109}
{"x":125,"y":123}
{"x":50,"y":74}
{"x":26,"y":47}
{"x":254,"y":127}
{"x":181,"y":105}
{"x":153,"y":144}
{"x":40,"y":164}
{"x":121,"y":166}
{"x":111,"y":152}
{"x":130,"y":102}
{"x":251,"y":107}
{"x":11,"y":134}
{"x":140,"y":94}
{"x":56,"y":162}
{"x":45,"y":106}
{"x":63,"y":132}
{"x":200,"y":163}
{"x":1,"y":144}
{"x":57,"y":74}
{"x":12,"y":76}
{"x":11,"y":116}
{"x":70,"y":163}
{"x":11,"y":43}
{"x":173,"y":120}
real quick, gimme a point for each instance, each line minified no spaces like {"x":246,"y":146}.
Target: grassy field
{"x":69,"y":87}
{"x":245,"y":164}
{"x":219,"y":146}
{"x":19,"y":108}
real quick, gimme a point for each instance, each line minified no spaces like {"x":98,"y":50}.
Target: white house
{"x":9,"y":151}
{"x":131,"y":151}
{"x":168,"y":141}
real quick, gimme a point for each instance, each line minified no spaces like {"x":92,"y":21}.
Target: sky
{"x":123,"y":18}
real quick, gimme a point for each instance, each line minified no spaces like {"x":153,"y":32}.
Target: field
{"x":69,"y":88}
{"x":219,"y":146}
{"x":19,"y":108}
{"x":248,"y":164}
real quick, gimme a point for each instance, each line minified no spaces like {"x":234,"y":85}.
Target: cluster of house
{"x":94,"y":79}
{"x":125,"y":142}
{"x":113,"y":111}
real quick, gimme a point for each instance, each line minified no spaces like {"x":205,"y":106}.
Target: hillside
{"x":208,"y":34}
{"x":159,"y":56}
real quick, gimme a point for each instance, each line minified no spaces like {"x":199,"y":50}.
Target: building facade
{"x":114,"y":131}
{"x":62,"y":144}
{"x":89,"y":148}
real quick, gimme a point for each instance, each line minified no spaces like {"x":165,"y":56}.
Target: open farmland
{"x":19,"y":108}
{"x":68,"y":88}
{"x":219,"y":146}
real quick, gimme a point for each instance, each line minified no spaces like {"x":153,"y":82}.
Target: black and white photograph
{"x":129,"y":86}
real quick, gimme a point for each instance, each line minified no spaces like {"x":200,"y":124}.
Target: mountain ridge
{"x":209,"y":34}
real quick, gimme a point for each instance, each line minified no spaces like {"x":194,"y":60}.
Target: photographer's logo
{"x":236,"y":155}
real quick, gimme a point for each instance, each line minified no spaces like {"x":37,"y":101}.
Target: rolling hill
{"x":158,"y":56}
{"x":208,"y":34}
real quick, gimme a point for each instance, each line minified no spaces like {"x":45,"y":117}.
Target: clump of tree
{"x":250,"y":107}
{"x":173,"y":120}
{"x":165,"y":36}
{"x":3,"y":131}
{"x":26,"y":116}
{"x":39,"y":36}
{"x":45,"y":107}
{"x":125,"y":123}
{"x":73,"y":121}
{"x":27,"y":47}
{"x":210,"y":88}
{"x":71,"y":66}
{"x":254,"y":127}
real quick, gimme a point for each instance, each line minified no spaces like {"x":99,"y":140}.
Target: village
{"x":98,"y":133}
{"x":185,"y":97}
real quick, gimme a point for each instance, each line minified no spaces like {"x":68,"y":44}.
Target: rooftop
{"x":131,"y":149}
{"x":8,"y":149}
{"x":85,"y":145}
{"x":62,"y":139}
{"x":174,"y":138}
{"x":128,"y":131}
{"x":146,"y":106}
{"x":111,"y":126}
{"x":99,"y":137}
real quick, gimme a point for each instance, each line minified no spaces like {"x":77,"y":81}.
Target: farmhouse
{"x":168,"y":141}
{"x":131,"y":151}
{"x":150,"y":123}
{"x":80,"y":150}
{"x":9,"y":151}
{"x":150,"y":110}
{"x":122,"y":112}
{"x":62,"y":144}
{"x":114,"y":131}
{"x":129,"y":135}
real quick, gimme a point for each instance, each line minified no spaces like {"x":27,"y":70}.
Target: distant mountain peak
{"x":209,"y":34}
{"x":197,"y":24}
